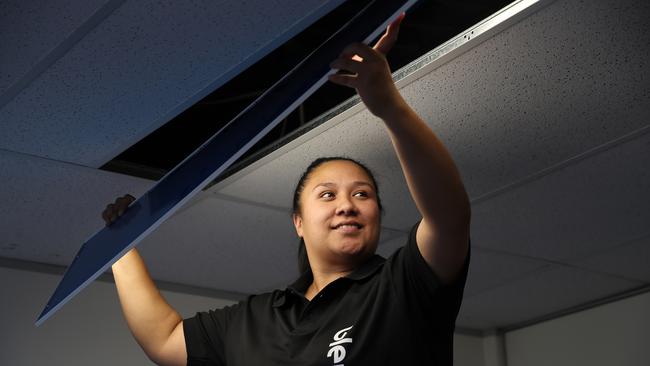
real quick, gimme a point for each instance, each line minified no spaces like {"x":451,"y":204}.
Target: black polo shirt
{"x":391,"y":311}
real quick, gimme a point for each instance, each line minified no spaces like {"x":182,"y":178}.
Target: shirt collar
{"x":302,"y":283}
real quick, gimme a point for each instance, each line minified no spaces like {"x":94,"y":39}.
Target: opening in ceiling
{"x":427,"y":26}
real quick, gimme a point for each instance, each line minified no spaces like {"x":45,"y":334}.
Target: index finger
{"x":387,"y":41}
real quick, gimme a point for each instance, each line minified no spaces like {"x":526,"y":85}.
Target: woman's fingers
{"x":356,"y":58}
{"x":343,"y":79}
{"x":347,"y":64}
{"x":117,"y":209}
{"x":123,"y":202}
{"x":370,"y":72}
{"x":359,"y":52}
{"x":363,"y":62}
{"x":106,"y":216}
{"x":389,"y":38}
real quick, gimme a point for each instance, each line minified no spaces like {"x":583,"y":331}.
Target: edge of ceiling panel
{"x":456,"y":46}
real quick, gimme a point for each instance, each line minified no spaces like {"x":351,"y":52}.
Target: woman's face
{"x":339,"y":218}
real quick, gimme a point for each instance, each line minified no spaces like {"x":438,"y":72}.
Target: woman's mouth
{"x":348,"y":227}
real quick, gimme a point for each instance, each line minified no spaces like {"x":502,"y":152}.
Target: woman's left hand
{"x":370,"y":74}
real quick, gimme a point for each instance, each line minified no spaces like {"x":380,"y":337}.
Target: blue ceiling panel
{"x":179,"y":185}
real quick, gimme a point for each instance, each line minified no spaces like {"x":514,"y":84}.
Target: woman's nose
{"x":346,"y":207}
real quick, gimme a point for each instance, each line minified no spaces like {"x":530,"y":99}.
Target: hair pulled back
{"x":303,"y":260}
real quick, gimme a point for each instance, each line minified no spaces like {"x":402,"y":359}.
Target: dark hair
{"x":303,"y":260}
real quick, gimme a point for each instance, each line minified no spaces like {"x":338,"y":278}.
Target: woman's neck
{"x":323,"y":278}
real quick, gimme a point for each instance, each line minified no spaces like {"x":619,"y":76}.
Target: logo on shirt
{"x":337,"y":348}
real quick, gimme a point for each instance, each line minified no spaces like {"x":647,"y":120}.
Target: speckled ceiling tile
{"x":29,"y":30}
{"x":569,"y":78}
{"x":49,"y":208}
{"x":143,"y":65}
{"x":596,"y":204}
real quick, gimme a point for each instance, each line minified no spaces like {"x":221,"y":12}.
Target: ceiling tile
{"x":590,"y":205}
{"x":541,"y":91}
{"x":224,"y":245}
{"x":49,"y":209}
{"x":29,"y":30}
{"x":630,"y":259}
{"x":487,"y":269}
{"x":536,"y":294}
{"x":389,"y":246}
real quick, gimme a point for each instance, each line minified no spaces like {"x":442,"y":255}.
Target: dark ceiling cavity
{"x":425,"y":27}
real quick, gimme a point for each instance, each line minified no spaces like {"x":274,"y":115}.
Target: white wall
{"x":90,"y":330}
{"x":617,"y":333}
{"x":468,"y":350}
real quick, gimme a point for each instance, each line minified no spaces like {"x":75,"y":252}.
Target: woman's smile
{"x":348,"y":229}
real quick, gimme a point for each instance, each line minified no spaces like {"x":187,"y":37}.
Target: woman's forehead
{"x":339,"y":172}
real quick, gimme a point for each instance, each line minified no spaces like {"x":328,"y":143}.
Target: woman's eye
{"x":361,"y":194}
{"x":327,"y":195}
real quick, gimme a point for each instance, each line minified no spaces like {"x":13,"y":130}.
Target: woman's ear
{"x":297,"y":223}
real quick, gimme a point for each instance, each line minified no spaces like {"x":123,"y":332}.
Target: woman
{"x":349,"y":306}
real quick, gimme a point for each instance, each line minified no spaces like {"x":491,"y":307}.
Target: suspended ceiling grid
{"x":548,"y":127}
{"x":551,"y":136}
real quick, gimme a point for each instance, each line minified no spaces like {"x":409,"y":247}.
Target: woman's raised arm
{"x":432,"y":177}
{"x":156,"y":326}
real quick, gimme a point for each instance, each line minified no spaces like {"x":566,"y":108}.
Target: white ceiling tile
{"x":489,"y":269}
{"x":225,"y":245}
{"x":630,"y":259}
{"x":29,"y":30}
{"x":49,"y":209}
{"x":541,"y":91}
{"x":593,"y":204}
{"x":388,"y":246}
{"x":141,"y":67}
{"x":537,"y":294}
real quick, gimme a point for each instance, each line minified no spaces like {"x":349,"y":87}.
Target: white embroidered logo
{"x":336,"y":348}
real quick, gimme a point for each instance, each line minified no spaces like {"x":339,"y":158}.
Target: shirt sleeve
{"x":205,"y":336}
{"x":421,"y":291}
